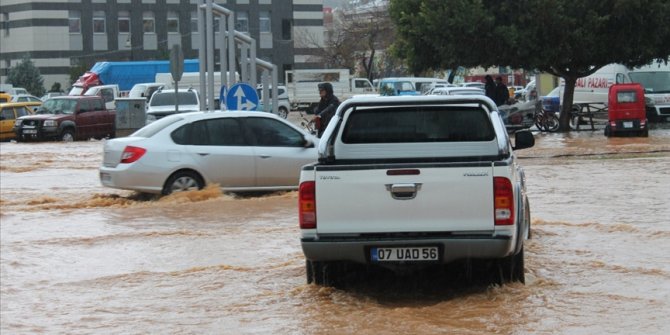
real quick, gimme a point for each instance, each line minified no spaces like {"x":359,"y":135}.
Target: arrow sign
{"x":242,"y":96}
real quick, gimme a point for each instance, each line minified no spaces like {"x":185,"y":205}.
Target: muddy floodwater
{"x":78,"y":258}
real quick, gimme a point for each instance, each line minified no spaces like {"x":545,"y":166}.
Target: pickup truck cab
{"x":67,"y":118}
{"x":410,"y":181}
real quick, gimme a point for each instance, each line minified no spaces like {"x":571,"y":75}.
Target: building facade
{"x":67,"y":36}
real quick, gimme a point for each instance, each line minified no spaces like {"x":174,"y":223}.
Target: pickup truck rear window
{"x":418,"y":124}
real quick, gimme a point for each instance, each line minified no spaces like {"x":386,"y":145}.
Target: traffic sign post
{"x":242,"y":96}
{"x":176,"y":69}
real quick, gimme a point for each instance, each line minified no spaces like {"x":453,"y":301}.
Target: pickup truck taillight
{"x":503,"y":201}
{"x":131,"y":154}
{"x":307,"y":205}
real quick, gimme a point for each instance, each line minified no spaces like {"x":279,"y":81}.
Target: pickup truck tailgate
{"x":443,"y":197}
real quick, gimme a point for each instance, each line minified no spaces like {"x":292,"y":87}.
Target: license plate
{"x":628,"y":124}
{"x":381,"y":254}
{"x":30,"y":131}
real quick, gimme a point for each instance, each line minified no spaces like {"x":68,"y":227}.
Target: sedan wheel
{"x":183,"y":181}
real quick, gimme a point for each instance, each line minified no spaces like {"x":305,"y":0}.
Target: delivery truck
{"x":303,"y":92}
{"x":126,"y":74}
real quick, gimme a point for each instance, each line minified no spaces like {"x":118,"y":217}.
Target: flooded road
{"x":78,"y":258}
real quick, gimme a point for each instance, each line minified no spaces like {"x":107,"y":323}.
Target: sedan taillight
{"x":131,"y":154}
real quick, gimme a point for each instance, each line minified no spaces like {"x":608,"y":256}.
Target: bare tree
{"x":370,"y":28}
{"x":356,"y":37}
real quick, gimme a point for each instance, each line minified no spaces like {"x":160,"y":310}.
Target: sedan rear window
{"x":418,"y":124}
{"x":168,"y":99}
{"x":152,"y":128}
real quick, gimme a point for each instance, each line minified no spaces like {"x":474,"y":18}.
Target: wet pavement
{"x":78,"y":258}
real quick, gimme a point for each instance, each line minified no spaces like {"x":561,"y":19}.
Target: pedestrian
{"x":490,"y":87}
{"x":501,"y":93}
{"x":327,"y":106}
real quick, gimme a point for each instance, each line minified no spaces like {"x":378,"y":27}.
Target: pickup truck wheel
{"x":511,"y":268}
{"x":67,"y":135}
{"x":283,"y":112}
{"x":183,"y":181}
{"x":321,"y":273}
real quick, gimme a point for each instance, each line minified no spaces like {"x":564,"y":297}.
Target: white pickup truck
{"x":411,"y":181}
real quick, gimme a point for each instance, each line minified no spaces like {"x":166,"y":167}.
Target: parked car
{"x":162,"y":103}
{"x":473,"y":84}
{"x":284,"y":105}
{"x":49,"y":95}
{"x":457,"y":90}
{"x":237,"y":150}
{"x":25,"y":98}
{"x":513,"y":89}
{"x":9,"y":112}
{"x":144,"y":90}
{"x":552,"y":101}
{"x":518,"y":115}
{"x":396,"y":86}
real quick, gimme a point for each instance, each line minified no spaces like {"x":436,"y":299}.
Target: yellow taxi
{"x":4,"y":97}
{"x":9,"y":112}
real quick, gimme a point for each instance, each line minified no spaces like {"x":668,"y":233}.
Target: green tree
{"x":27,"y":75}
{"x":567,"y":38}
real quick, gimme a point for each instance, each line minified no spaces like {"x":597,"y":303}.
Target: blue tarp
{"x":127,"y":74}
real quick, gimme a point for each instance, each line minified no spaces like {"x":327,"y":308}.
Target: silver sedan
{"x":239,"y":151}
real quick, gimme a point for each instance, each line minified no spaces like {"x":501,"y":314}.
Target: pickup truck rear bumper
{"x":452,"y":248}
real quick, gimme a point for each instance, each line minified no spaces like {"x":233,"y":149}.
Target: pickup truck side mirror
{"x":523,"y":139}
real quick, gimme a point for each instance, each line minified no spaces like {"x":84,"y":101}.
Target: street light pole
{"x":129,"y":44}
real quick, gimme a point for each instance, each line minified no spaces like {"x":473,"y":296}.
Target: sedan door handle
{"x":203,"y":153}
{"x":264,"y":156}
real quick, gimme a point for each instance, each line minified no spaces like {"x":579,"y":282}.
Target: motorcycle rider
{"x":327,"y":106}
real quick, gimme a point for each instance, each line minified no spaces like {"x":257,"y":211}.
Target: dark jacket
{"x":502,"y":94}
{"x":490,"y":88}
{"x":327,"y":107}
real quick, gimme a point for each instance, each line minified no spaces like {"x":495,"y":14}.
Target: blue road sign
{"x":222,"y":97}
{"x":242,"y":96}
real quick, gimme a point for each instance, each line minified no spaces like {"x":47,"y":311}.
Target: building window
{"x":194,"y":22}
{"x":4,"y":24}
{"x":172,"y":22}
{"x":286,"y":30}
{"x":148,"y":22}
{"x":264,"y":24}
{"x":124,"y":22}
{"x":216,"y":24}
{"x":242,"y":24}
{"x":99,"y":22}
{"x":74,"y":22}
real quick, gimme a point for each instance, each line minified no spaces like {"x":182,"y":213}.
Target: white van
{"x":655,"y":78}
{"x":594,"y":89}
